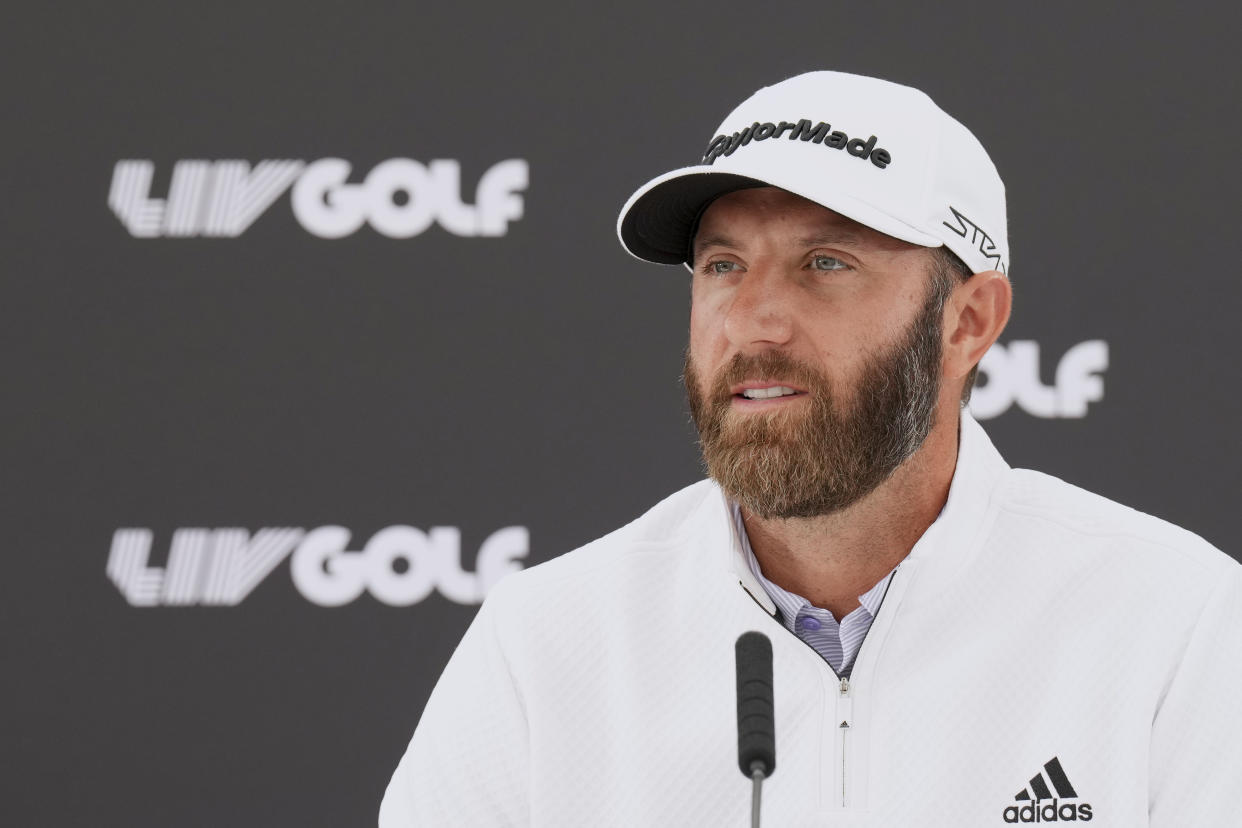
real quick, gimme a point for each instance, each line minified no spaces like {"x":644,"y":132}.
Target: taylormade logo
{"x":1011,"y":373}
{"x":863,"y":148}
{"x":399,"y":565}
{"x":399,"y":198}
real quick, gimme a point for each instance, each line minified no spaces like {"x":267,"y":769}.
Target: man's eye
{"x":721,"y":267}
{"x":828,"y":263}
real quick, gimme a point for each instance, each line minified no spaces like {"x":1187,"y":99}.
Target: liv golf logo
{"x":399,"y":565}
{"x":1011,"y":374}
{"x":399,"y":198}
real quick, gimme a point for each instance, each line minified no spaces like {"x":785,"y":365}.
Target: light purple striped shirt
{"x":836,"y":643}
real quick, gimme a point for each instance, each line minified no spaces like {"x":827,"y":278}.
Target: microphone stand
{"x":757,"y":773}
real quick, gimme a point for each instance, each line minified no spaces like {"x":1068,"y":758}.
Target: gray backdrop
{"x":198,"y":378}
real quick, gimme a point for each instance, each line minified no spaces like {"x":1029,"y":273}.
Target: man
{"x":956,"y":643}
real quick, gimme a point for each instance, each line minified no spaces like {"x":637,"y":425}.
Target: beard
{"x":820,"y":458}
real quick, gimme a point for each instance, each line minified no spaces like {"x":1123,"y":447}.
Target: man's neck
{"x":831,"y":560}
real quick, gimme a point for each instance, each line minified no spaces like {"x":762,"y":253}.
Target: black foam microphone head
{"x":756,"y":722}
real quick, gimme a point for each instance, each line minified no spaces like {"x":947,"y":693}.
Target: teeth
{"x":767,"y":393}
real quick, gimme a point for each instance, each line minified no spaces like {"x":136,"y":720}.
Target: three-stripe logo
{"x":1041,"y":804}
{"x":1039,"y":787}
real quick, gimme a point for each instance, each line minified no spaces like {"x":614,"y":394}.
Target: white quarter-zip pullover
{"x":1041,"y":651}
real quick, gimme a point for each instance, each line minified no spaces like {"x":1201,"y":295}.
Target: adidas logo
{"x":1042,"y":806}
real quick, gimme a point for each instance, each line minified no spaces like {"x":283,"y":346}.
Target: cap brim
{"x":656,"y":222}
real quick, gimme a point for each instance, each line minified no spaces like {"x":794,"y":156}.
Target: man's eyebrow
{"x":831,"y":238}
{"x":824,"y":239}
{"x":713,"y":241}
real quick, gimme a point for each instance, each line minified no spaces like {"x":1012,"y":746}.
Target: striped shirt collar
{"x":788,"y":603}
{"x":950,"y":540}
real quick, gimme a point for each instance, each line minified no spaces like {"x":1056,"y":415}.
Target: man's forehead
{"x":733,"y":218}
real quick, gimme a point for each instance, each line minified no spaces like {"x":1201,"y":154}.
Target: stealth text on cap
{"x":803,"y":131}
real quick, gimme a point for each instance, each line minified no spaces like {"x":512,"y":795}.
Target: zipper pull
{"x":845,"y":704}
{"x":845,"y":712}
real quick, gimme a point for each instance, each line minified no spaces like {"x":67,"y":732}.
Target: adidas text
{"x":1053,"y":811}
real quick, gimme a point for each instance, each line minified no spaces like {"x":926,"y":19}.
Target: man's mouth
{"x":757,"y":391}
{"x":768,"y":393}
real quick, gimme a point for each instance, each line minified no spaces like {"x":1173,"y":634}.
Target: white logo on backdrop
{"x":399,"y":565}
{"x":1010,"y":373}
{"x":399,"y":198}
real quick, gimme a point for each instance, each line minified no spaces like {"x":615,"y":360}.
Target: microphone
{"x":756,"y":722}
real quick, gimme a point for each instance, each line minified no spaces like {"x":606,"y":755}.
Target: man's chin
{"x":765,"y":420}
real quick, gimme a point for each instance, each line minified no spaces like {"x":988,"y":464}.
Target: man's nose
{"x":760,"y":312}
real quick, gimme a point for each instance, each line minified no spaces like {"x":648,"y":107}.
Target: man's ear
{"x":974,"y":317}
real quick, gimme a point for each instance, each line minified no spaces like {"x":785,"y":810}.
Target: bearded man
{"x":955,"y":642}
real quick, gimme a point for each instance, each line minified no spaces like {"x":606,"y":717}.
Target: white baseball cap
{"x":877,"y":152}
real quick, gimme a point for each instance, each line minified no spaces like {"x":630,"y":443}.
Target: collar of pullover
{"x":952,"y":537}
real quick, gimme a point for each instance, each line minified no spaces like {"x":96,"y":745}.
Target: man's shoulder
{"x":643,"y":544}
{"x":1105,"y":523}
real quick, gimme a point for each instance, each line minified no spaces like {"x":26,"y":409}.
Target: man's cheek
{"x":708,"y":339}
{"x":704,"y":377}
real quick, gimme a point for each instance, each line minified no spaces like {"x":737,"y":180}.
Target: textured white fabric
{"x":1033,"y":620}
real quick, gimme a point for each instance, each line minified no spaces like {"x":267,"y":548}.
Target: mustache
{"x":776,"y":365}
